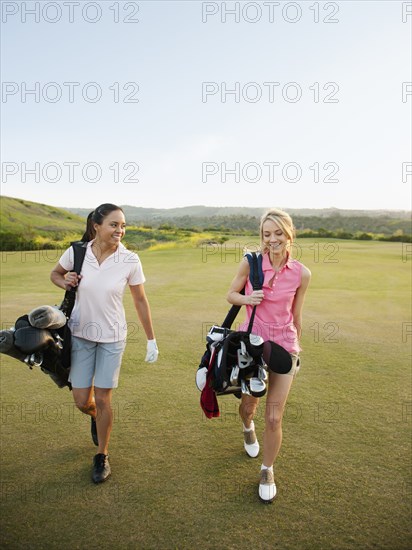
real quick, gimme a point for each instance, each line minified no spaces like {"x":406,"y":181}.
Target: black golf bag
{"x":233,"y":362}
{"x":236,"y":363}
{"x":42,"y":338}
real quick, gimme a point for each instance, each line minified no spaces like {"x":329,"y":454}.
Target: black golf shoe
{"x":101,"y":468}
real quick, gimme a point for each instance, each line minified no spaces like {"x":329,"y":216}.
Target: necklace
{"x":277,"y":268}
{"x":101,"y":253}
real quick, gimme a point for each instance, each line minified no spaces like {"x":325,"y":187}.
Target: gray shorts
{"x":95,"y":363}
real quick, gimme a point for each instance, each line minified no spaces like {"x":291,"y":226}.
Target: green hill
{"x":30,"y":225}
{"x":26,"y":225}
{"x":21,"y":216}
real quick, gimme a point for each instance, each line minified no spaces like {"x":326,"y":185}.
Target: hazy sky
{"x":165,"y":104}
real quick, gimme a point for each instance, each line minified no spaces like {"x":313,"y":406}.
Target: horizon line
{"x":263,"y":208}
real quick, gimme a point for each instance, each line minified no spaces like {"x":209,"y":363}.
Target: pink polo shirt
{"x":274,"y":318}
{"x":98,"y":313}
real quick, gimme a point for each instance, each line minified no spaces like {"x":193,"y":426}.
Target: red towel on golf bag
{"x":208,"y":400}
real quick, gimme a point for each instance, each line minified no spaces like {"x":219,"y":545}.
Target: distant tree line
{"x":383,"y":228}
{"x":384,"y":225}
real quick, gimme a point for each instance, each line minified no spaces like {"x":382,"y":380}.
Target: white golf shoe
{"x":251,"y":443}
{"x":267,"y":486}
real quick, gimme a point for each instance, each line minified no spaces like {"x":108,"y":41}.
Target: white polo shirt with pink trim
{"x":98,"y":313}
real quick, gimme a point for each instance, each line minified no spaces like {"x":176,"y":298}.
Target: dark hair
{"x":97,"y":216}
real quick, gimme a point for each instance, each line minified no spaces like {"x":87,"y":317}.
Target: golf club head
{"x":201,"y":375}
{"x":6,"y":340}
{"x":215,"y":334}
{"x":244,"y":388}
{"x":255,"y":347}
{"x":262,"y":374}
{"x":22,"y":322}
{"x":47,"y":317}
{"x":244,"y":360}
{"x":31,"y":339}
{"x":234,"y":376}
{"x":7,"y":345}
{"x":257,"y":387}
{"x":34,"y":360}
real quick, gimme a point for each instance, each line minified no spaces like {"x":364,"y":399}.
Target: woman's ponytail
{"x":90,"y":232}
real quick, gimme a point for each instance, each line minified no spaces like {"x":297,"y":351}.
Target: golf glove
{"x":152,"y":351}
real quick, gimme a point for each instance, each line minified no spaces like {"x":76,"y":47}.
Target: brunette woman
{"x":98,"y":322}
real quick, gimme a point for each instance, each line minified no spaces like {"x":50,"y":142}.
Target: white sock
{"x":252,"y":427}
{"x":263,"y":467}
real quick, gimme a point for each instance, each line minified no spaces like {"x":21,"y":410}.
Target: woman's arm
{"x":63,"y":278}
{"x":234,"y":297}
{"x":143,"y":309}
{"x":297,"y":307}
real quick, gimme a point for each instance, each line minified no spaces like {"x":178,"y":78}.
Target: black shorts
{"x":279,"y":360}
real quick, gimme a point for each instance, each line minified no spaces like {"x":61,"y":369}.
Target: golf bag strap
{"x":232,"y":314}
{"x":256,"y":272}
{"x":256,"y":284}
{"x":79,"y":251}
{"x":256,"y":278}
{"x":79,"y":248}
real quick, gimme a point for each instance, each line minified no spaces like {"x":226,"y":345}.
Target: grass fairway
{"x":180,"y":481}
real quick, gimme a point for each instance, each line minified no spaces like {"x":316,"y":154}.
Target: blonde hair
{"x":283,"y":220}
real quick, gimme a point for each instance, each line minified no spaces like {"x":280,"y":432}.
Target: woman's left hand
{"x":152,"y":351}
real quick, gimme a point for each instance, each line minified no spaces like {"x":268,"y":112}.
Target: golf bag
{"x":233,"y":362}
{"x":42,"y":338}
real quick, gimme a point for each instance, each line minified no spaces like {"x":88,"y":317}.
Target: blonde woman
{"x":278,"y":320}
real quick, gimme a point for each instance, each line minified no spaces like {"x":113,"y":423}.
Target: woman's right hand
{"x":255,"y":298}
{"x":71,"y":279}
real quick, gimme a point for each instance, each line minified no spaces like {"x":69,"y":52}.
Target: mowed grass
{"x":181,"y":481}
